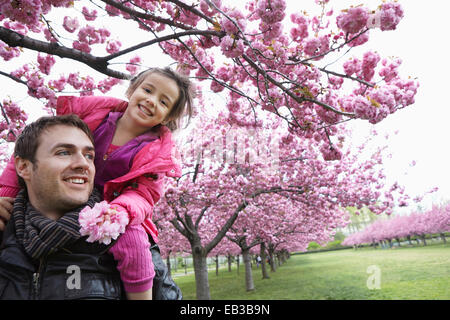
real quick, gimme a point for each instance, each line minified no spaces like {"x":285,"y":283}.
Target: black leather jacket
{"x":82,"y":271}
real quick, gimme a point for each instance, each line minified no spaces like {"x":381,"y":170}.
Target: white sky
{"x":420,"y":40}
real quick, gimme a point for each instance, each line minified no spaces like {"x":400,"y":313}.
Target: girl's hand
{"x":6,"y":207}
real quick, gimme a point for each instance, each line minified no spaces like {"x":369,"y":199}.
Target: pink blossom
{"x":301,"y":30}
{"x":352,"y":66}
{"x":45,"y":63}
{"x":7,"y":53}
{"x":316,"y":46}
{"x":70,"y":24}
{"x":359,"y":40}
{"x":102,"y":223}
{"x":353,"y":20}
{"x":232,"y":48}
{"x":271,"y":11}
{"x":231,"y":26}
{"x":133,"y":65}
{"x":390,"y":15}
{"x":82,"y":46}
{"x":113,"y":46}
{"x":89,"y":15}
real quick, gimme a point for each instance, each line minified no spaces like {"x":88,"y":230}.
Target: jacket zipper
{"x":36,"y":278}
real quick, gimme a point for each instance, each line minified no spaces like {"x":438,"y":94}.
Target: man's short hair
{"x":29,"y":139}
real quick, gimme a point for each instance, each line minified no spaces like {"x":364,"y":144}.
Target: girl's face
{"x":152,"y":101}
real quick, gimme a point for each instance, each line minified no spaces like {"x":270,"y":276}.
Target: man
{"x":42,"y":255}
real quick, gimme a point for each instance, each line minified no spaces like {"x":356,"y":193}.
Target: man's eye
{"x":90,"y":156}
{"x":63,"y":153}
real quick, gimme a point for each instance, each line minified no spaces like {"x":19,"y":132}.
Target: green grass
{"x":406,"y":273}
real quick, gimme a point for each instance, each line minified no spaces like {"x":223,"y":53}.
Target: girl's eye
{"x":164,"y":102}
{"x":147,"y":90}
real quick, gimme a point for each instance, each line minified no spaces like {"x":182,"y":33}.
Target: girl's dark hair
{"x":182,"y":107}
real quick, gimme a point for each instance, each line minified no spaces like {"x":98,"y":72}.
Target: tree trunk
{"x":409,"y":240}
{"x":201,"y":273}
{"x":398,"y":241}
{"x":249,"y":285}
{"x":237,"y":260}
{"x":262,"y":254}
{"x":229,"y":262}
{"x":217,"y":265}
{"x":424,"y":241}
{"x":272,"y":261}
{"x":176,"y":263}
{"x":169,"y":269}
{"x":443,"y":237}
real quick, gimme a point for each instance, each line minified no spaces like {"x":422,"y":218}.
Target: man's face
{"x":62,"y":177}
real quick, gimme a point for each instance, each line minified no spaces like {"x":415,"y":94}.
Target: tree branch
{"x":146,"y":16}
{"x":14,"y":39}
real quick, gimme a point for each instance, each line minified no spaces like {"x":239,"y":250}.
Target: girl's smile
{"x":151,"y":103}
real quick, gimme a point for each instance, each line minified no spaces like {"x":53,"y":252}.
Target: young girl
{"x":133,"y":152}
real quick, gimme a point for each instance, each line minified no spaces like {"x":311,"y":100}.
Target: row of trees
{"x":230,"y":200}
{"x":273,"y":168}
{"x":434,"y":221}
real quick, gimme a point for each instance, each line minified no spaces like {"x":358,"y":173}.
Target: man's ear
{"x":23,"y":168}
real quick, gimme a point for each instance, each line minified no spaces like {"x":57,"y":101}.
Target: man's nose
{"x":80,"y":161}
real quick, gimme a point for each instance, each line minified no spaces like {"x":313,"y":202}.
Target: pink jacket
{"x":139,"y":189}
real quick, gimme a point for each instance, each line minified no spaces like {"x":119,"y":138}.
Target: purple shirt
{"x":118,"y":163}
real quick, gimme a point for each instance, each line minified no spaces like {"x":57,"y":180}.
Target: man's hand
{"x":6,"y":206}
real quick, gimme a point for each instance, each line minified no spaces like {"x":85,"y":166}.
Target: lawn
{"x":405,"y":273}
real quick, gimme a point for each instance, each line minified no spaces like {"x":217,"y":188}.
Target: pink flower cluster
{"x":390,"y":15}
{"x":16,"y":118}
{"x":232,"y":47}
{"x":70,"y":24}
{"x":89,"y":15}
{"x":271,"y":11}
{"x":231,"y":26}
{"x":45,"y":63}
{"x":133,"y":65}
{"x":29,"y":11}
{"x":317,"y":46}
{"x":8,"y":53}
{"x":353,"y":21}
{"x":102,"y":223}
{"x":113,"y":46}
{"x":329,"y":153}
{"x":369,"y":63}
{"x":301,"y":30}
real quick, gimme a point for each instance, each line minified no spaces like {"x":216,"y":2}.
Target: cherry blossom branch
{"x":7,"y":120}
{"x":14,"y":78}
{"x":146,"y":16}
{"x":347,"y":77}
{"x":192,"y":9}
{"x":300,"y":100}
{"x":334,"y":49}
{"x":162,"y":39}
{"x":15,"y":39}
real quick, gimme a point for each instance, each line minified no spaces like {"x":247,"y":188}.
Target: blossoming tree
{"x":264,"y":57}
{"x":234,"y":189}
